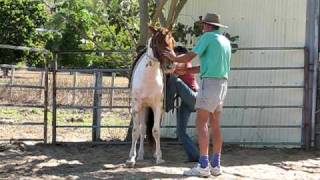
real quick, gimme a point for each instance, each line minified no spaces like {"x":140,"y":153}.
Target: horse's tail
{"x":149,"y":126}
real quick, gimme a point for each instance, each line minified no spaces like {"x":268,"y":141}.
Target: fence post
{"x":112,"y":90}
{"x":54,"y":100}
{"x":11,"y":79}
{"x":75,"y":82}
{"x":42,"y":79}
{"x":96,"y":107}
{"x":45,"y":112}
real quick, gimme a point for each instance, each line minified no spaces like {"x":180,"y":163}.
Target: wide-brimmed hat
{"x":213,"y":19}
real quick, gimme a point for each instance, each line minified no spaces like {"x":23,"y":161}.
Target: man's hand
{"x":170,"y":55}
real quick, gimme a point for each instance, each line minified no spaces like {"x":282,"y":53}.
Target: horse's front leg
{"x":142,"y":133}
{"x":157,"y":109}
{"x":135,"y":136}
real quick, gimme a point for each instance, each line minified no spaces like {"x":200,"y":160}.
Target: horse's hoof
{"x":160,"y":161}
{"x":130,"y":163}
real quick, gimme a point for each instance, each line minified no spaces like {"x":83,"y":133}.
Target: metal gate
{"x":17,"y":86}
{"x":97,"y":103}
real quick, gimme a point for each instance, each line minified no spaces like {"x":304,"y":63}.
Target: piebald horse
{"x":147,"y":91}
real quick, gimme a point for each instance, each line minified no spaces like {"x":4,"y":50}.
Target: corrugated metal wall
{"x":264,"y":104}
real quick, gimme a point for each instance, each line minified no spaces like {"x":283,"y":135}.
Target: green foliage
{"x":180,"y":33}
{"x":183,"y":33}
{"x":233,"y":40}
{"x":18,"y":22}
{"x":95,"y":25}
{"x":78,"y":25}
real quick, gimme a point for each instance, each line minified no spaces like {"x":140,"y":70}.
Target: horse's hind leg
{"x":156,"y":132}
{"x":142,"y":133}
{"x":135,"y":135}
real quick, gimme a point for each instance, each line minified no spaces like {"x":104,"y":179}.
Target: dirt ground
{"x":87,"y":161}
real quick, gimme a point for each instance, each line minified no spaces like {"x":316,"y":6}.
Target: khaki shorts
{"x":211,"y":94}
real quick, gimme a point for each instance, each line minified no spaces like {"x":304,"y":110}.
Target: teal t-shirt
{"x":214,"y":51}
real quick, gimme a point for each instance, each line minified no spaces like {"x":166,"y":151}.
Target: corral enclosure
{"x":88,"y":161}
{"x":26,"y":122}
{"x":265,"y":100}
{"x":265,"y":107}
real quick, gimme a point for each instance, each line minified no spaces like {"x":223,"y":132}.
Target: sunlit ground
{"x":85,"y":161}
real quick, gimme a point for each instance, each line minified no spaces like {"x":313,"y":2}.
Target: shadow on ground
{"x":87,"y":161}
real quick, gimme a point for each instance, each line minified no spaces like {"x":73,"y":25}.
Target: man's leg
{"x":216,"y":132}
{"x":202,"y":169}
{"x":203,"y":135}
{"x":183,"y":115}
{"x":216,"y":142}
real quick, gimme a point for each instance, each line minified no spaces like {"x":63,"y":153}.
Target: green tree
{"x":156,"y":8}
{"x":19,"y":20}
{"x":95,"y":25}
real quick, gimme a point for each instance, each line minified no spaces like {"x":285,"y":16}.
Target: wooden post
{"x":75,"y":82}
{"x":54,"y":100}
{"x":5,"y":71}
{"x":11,"y":80}
{"x":46,"y":96}
{"x":41,"y":80}
{"x":96,"y":107}
{"x":112,"y":90}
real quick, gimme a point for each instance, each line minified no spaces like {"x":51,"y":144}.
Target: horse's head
{"x":162,"y":41}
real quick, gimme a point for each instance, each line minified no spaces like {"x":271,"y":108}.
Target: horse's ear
{"x":152,"y":29}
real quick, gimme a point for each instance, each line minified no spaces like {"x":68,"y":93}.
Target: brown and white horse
{"x":147,"y":91}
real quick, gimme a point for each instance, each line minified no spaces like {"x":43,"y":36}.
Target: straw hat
{"x":213,"y":19}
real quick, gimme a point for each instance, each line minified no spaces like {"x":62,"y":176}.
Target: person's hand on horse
{"x":170,"y":55}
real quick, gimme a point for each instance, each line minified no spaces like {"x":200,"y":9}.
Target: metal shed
{"x":269,"y":100}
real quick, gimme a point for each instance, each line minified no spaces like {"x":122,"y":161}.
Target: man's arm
{"x":183,"y":58}
{"x":193,"y":70}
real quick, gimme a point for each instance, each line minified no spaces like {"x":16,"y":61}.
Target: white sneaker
{"x":215,"y":171}
{"x":198,"y":171}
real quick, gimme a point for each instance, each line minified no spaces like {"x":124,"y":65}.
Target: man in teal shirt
{"x":214,"y":52}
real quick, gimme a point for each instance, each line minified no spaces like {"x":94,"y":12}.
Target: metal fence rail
{"x":43,"y":87}
{"x":98,"y":88}
{"x":97,"y":106}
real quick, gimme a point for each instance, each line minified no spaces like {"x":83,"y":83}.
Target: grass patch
{"x":20,"y":114}
{"x":65,"y":117}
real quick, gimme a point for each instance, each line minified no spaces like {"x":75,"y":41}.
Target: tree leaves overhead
{"x":94,"y":24}
{"x":18,"y":22}
{"x":76,"y":25}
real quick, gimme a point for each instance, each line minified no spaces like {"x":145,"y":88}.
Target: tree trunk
{"x":144,"y":19}
{"x":162,"y":19}
{"x":171,"y":13}
{"x":174,"y":11}
{"x":179,"y":7}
